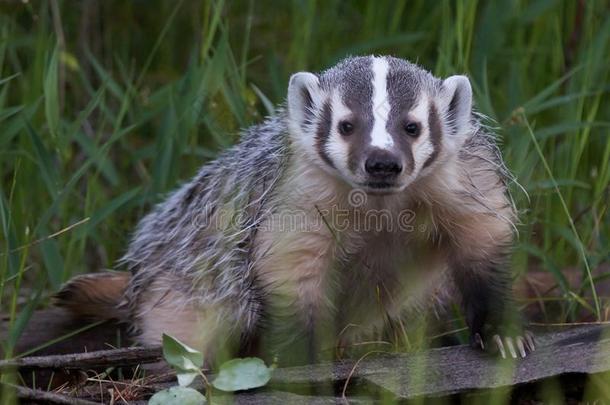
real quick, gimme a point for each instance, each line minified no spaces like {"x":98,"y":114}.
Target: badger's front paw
{"x":507,"y":345}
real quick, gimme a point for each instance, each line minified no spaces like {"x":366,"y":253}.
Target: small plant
{"x":233,"y":375}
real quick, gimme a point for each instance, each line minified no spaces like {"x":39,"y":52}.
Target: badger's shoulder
{"x":191,"y":218}
{"x":468,"y":198}
{"x":483,"y":175}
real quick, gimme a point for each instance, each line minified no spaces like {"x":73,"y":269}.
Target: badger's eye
{"x":412,"y":129}
{"x":346,"y":128}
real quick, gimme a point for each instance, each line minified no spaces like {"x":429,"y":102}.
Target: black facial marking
{"x":355,"y":78}
{"x":323,"y":133}
{"x":409,"y":160}
{"x":435,"y":133}
{"x":404,"y":83}
{"x":358,"y":143}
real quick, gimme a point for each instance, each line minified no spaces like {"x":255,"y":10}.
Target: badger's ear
{"x":304,"y":97}
{"x":456,"y":105}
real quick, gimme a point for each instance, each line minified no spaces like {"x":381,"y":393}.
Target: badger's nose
{"x":382,"y":164}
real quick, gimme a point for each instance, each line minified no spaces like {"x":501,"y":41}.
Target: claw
{"x":521,"y":346}
{"x":479,"y":341}
{"x":500,"y":345}
{"x":511,"y":347}
{"x":529,"y":338}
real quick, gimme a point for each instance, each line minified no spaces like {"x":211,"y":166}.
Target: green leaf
{"x":24,"y":316}
{"x":8,"y":79}
{"x":242,"y":374}
{"x":9,"y":112}
{"x":108,"y":209}
{"x":45,"y":160}
{"x":51,"y":96}
{"x":269,"y":107}
{"x":53,"y":261}
{"x":184,"y":359}
{"x":177,"y":396}
{"x":186,"y":378}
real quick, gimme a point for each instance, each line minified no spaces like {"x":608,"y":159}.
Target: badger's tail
{"x":95,"y":296}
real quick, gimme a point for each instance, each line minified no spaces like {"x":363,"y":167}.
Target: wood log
{"x":84,"y":361}
{"x":40,"y":396}
{"x":448,"y":370}
{"x":436,"y":372}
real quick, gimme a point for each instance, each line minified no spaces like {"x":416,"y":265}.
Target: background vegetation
{"x":107,"y":105}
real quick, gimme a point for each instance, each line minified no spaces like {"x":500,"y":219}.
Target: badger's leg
{"x":293,"y":268}
{"x":478,"y":260}
{"x":308,"y":300}
{"x":490,"y":312}
{"x":296,"y":301}
{"x":164,"y":309}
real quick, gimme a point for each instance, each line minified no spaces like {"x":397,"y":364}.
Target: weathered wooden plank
{"x":436,"y":372}
{"x":447,"y":370}
{"x":282,"y":398}
{"x":39,"y":396}
{"x":444,"y":371}
{"x":84,"y":361}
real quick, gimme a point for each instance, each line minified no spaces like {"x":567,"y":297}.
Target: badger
{"x":373,"y":194}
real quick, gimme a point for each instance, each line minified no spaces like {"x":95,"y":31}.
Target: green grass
{"x":106,"y":106}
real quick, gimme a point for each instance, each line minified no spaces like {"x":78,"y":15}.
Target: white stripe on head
{"x":381,"y":105}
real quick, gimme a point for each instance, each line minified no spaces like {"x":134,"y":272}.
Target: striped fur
{"x":214,"y":260}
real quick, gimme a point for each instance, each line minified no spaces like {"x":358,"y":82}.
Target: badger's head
{"x":378,"y":122}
